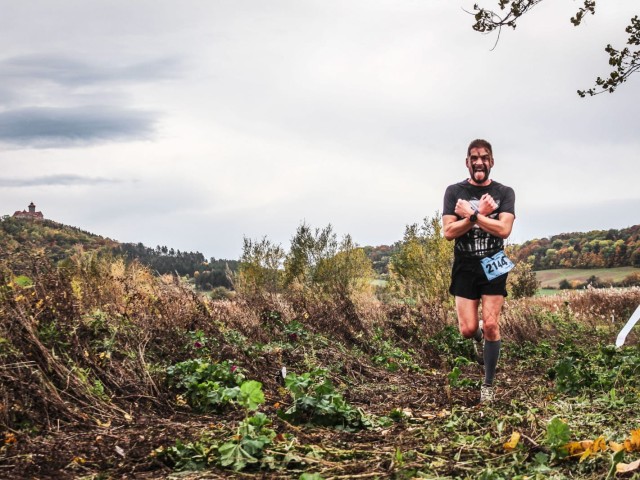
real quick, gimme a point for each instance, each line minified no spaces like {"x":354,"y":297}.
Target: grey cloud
{"x":55,"y":180}
{"x":68,"y":71}
{"x":55,"y":127}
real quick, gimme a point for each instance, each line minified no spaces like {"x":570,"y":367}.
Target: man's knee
{"x":467,"y":331}
{"x":491,"y":327}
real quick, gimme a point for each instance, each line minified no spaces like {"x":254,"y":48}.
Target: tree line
{"x":207,"y":274}
{"x":594,"y":249}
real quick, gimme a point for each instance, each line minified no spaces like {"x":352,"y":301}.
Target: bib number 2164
{"x":497,"y":265}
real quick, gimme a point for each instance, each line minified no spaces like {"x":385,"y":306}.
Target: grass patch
{"x":552,"y":278}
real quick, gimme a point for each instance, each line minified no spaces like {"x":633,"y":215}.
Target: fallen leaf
{"x":577,"y":448}
{"x":634,"y":440}
{"x":598,"y":445}
{"x":616,"y":447}
{"x":407,"y":412}
{"x":513,"y":442}
{"x":106,"y":424}
{"x":627,"y":467}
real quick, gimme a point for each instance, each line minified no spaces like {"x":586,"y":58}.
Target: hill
{"x":57,"y":241}
{"x":594,"y":249}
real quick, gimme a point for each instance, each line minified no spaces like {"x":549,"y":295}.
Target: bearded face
{"x":479,"y":163}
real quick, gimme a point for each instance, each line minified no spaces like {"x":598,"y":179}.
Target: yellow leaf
{"x":627,"y":467}
{"x":106,"y":424}
{"x":78,"y":460}
{"x":593,"y":447}
{"x":635,"y":440}
{"x":513,"y":442}
{"x":616,"y":447}
{"x":578,"y":448}
{"x":600,"y":445}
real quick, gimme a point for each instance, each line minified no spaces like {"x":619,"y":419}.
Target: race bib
{"x":497,"y":265}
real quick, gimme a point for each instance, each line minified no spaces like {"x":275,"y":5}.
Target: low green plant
{"x":454,"y":376}
{"x":451,"y":344}
{"x":199,"y":344}
{"x":191,"y":456}
{"x":606,"y":369}
{"x":247,"y":447}
{"x":295,"y":331}
{"x":206,"y":386}
{"x":392,"y":357}
{"x":557,"y":436}
{"x":316,"y":401}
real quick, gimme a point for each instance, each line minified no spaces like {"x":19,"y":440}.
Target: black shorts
{"x":468,"y":280}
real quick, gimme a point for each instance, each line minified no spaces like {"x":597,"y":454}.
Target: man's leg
{"x":468,"y":324}
{"x":491,"y":308}
{"x":467,"y":311}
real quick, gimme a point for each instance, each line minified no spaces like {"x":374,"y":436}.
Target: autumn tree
{"x":624,"y":62}
{"x":420,"y":270}
{"x":260,"y":268}
{"x":318,"y":264}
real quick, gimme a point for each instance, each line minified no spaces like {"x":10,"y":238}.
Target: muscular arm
{"x":500,"y":227}
{"x":454,"y":228}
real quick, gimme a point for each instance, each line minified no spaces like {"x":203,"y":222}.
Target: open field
{"x":552,"y":278}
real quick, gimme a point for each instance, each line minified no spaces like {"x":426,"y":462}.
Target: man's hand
{"x":486,"y":205}
{"x":463,"y":208}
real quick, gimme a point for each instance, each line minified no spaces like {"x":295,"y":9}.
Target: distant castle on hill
{"x":31,"y":214}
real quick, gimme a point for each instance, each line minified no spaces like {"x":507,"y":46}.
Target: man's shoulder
{"x":458,"y":185}
{"x":500,"y":186}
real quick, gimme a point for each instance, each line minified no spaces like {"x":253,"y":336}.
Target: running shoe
{"x":487,"y":394}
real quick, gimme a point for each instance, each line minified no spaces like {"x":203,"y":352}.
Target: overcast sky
{"x":192,"y":123}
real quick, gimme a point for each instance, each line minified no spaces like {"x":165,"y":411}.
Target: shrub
{"x":522,"y":281}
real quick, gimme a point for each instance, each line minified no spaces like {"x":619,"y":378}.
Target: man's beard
{"x":480,"y":175}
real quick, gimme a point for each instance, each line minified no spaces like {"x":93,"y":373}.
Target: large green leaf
{"x":251,"y":396}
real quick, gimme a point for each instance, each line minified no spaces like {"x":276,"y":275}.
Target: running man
{"x":478,"y":214}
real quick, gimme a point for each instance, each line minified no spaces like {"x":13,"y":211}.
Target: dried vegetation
{"x":85,"y":347}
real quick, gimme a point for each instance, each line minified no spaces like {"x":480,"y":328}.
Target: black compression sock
{"x":491,"y":356}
